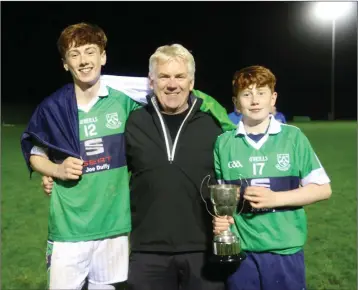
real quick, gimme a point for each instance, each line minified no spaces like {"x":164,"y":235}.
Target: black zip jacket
{"x":168,"y":214}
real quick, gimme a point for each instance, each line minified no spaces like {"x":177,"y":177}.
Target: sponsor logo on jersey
{"x":258,"y":158}
{"x":88,"y":120}
{"x":234,"y":164}
{"x":113,"y":121}
{"x":101,"y":154}
{"x":94,"y":146}
{"x":98,"y":164}
{"x":283,"y":162}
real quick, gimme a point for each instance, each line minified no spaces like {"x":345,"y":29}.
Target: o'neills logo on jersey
{"x":113,"y":121}
{"x":234,"y":164}
{"x":88,"y":120}
{"x":258,"y":159}
{"x":283,"y":162}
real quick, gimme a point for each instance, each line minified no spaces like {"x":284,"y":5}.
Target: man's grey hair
{"x":170,"y":52}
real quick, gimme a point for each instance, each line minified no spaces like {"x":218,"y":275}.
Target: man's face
{"x":84,"y":63}
{"x":256,"y":103}
{"x":172,"y":84}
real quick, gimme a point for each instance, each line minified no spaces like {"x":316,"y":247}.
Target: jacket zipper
{"x":171,"y":153}
{"x":181,"y":126}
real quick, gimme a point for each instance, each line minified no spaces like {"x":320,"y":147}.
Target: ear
{"x":234,"y":100}
{"x":192,"y":82}
{"x":273,"y":99}
{"x":151,"y":81}
{"x":103,"y":57}
{"x":65,"y":66}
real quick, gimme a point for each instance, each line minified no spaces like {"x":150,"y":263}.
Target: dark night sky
{"x":223,"y":38}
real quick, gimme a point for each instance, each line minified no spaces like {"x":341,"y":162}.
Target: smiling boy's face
{"x":85,"y":63}
{"x":255,"y":103}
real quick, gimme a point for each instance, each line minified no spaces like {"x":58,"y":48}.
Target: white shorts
{"x":101,"y":261}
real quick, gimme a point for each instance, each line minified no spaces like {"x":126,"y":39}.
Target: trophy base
{"x":228,"y":259}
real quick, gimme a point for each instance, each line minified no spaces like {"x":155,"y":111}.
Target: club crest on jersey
{"x":283,"y":162}
{"x":113,"y":121}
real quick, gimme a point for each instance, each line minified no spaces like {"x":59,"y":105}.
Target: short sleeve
{"x":310,"y":168}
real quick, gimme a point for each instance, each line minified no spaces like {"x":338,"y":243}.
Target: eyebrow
{"x":177,"y":75}
{"x":76,"y":50}
{"x":91,"y":47}
{"x":250,"y":90}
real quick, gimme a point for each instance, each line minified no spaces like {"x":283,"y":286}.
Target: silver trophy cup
{"x":226,"y":246}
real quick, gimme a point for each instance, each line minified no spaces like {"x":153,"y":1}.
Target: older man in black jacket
{"x":170,"y":150}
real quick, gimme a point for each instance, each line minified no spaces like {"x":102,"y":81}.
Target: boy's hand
{"x":221,"y":224}
{"x":261,"y":197}
{"x":70,"y":169}
{"x":47,"y":184}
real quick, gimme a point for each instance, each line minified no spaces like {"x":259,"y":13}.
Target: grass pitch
{"x":331,"y":258}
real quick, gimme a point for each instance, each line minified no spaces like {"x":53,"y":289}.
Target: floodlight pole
{"x":332,"y":115}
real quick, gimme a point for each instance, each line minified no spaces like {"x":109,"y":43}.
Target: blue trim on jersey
{"x":284,"y":183}
{"x":256,"y":137}
{"x":111,"y":153}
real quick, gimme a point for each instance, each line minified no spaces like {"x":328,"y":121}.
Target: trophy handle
{"x":201,"y":194}
{"x":243,"y":202}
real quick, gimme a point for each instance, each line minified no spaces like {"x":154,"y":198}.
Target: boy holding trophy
{"x":283,"y":174}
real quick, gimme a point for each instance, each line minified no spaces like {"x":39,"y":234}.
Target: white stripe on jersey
{"x":37,"y":150}
{"x":317,"y":176}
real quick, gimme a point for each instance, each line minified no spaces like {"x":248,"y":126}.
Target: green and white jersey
{"x":282,"y":160}
{"x":96,"y":206}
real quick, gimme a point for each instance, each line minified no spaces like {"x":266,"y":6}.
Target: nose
{"x":172,"y":83}
{"x":83,"y":59}
{"x":254,"y":99}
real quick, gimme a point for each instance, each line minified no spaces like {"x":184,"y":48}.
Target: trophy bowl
{"x":226,"y":246}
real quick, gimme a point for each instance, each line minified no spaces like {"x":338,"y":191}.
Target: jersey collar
{"x":274,"y":127}
{"x":102,"y":92}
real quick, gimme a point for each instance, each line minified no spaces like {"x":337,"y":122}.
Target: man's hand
{"x":70,"y":169}
{"x":47,"y":184}
{"x":221,"y":224}
{"x":261,"y":197}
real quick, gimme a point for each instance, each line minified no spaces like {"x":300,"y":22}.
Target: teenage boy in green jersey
{"x":89,"y":218}
{"x":280,"y":174}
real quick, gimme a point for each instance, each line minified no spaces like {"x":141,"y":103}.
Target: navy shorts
{"x":267,"y":271}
